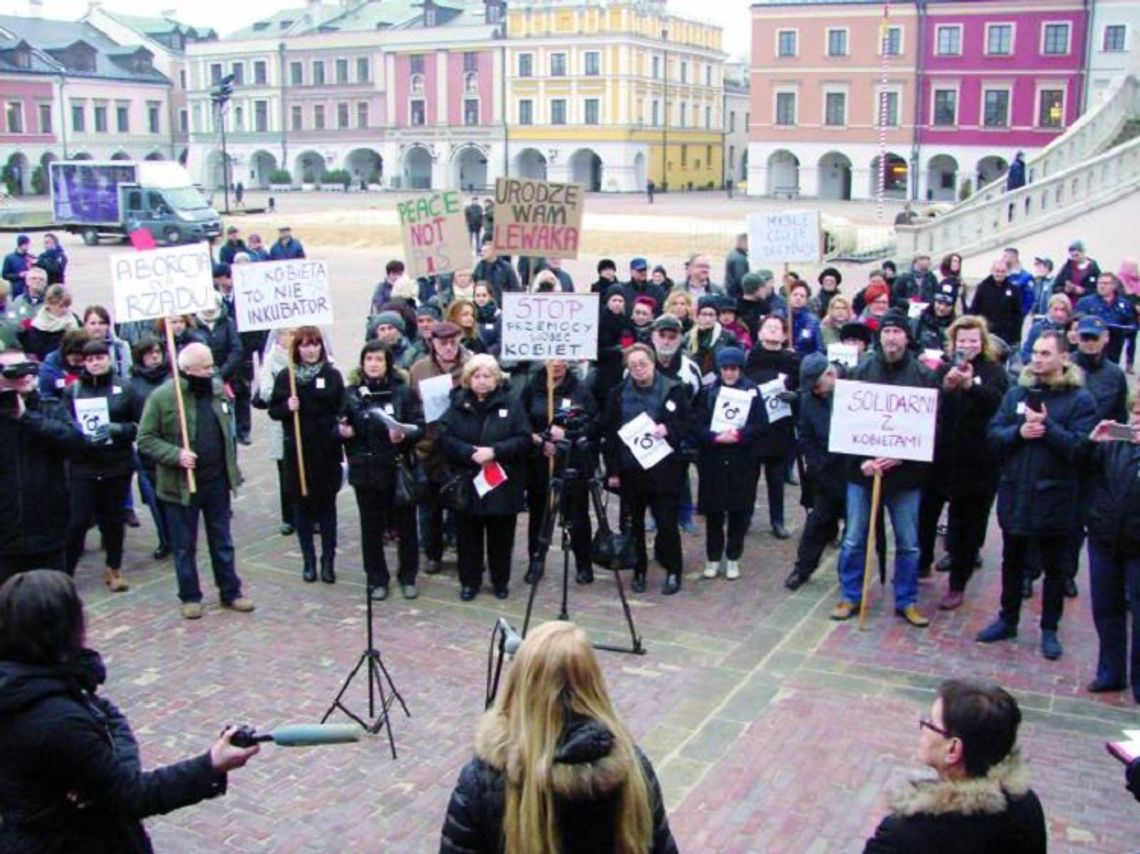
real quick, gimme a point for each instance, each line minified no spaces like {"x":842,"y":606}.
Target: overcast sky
{"x":732,"y":15}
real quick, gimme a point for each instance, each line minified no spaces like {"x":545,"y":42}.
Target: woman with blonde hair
{"x":43,"y":334}
{"x":555,"y":769}
{"x":838,"y":313}
{"x":680,"y":304}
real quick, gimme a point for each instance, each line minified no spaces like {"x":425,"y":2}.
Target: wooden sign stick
{"x":876,"y":498}
{"x":297,"y":426}
{"x":172,"y":355}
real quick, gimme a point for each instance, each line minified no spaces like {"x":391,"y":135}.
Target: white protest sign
{"x":91,"y":413}
{"x":435,"y":393}
{"x":843,"y":354}
{"x":162,"y":282}
{"x":914,"y":310}
{"x":278,"y":294}
{"x":549,"y":326}
{"x":730,"y":411}
{"x":871,"y":420}
{"x":778,"y":409}
{"x":776,"y":238}
{"x":646,"y":448}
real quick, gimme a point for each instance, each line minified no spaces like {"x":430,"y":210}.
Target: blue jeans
{"x":903,"y":509}
{"x":1115,"y":587}
{"x":212,"y":500}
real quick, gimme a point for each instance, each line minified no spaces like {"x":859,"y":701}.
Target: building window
{"x":261,"y":116}
{"x":557,"y":65}
{"x":837,"y":42}
{"x":948,"y":41}
{"x":239,"y":119}
{"x":318,"y":73}
{"x":1113,"y":41}
{"x":183,"y":121}
{"x":419,"y":114}
{"x":656,"y":114}
{"x":888,"y":115}
{"x":558,"y":111}
{"x":471,"y":82}
{"x":785,"y":108}
{"x":298,"y":121}
{"x":238,"y":71}
{"x":995,"y":112}
{"x":342,"y":71}
{"x":197,"y":119}
{"x":1055,"y":41}
{"x":786,"y":43}
{"x":296,"y":73}
{"x":708,"y":118}
{"x":708,"y":75}
{"x":593,"y":63}
{"x":45,"y":118}
{"x":999,"y":39}
{"x":153,"y":122}
{"x":215,"y":73}
{"x":319,"y":117}
{"x":684,"y":156}
{"x":362,"y":69}
{"x":835,"y":109}
{"x":592,"y":111}
{"x":526,"y":65}
{"x":470,"y":61}
{"x":123,"y":118}
{"x":182,"y":79}
{"x":15,"y":117}
{"x":417,"y":63}
{"x":362,"y":115}
{"x":342,"y":116}
{"x":684,"y":72}
{"x":100,"y":119}
{"x":470,"y":111}
{"x":892,"y":41}
{"x":681,"y":114}
{"x":417,"y":84}
{"x":656,"y":67}
{"x":945,"y":107}
{"x":1051,"y":108}
{"x":526,"y":112}
{"x":260,"y":73}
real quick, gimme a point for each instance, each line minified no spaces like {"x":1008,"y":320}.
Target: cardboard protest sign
{"x":279,"y":294}
{"x":538,"y":218}
{"x":871,"y":420}
{"x":162,"y":282}
{"x":549,"y":326}
{"x":777,"y":238}
{"x":435,"y":233}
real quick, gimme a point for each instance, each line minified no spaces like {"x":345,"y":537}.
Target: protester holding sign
{"x":99,"y":477}
{"x":485,"y":437}
{"x":730,"y":416}
{"x":315,"y":391}
{"x":646,"y":467}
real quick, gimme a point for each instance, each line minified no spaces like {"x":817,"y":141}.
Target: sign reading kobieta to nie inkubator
{"x":435,"y":233}
{"x":537,"y":218}
{"x":871,"y":420}
{"x":281,"y":294}
{"x":162,"y":282}
{"x":549,"y":326}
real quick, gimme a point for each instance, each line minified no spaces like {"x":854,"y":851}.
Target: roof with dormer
{"x":73,"y":48}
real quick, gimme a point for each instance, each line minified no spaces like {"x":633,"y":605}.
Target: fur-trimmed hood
{"x":1071,"y":377}
{"x":973,"y":796}
{"x":585,"y":766}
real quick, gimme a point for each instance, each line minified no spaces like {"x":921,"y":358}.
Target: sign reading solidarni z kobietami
{"x":537,"y":218}
{"x":549,"y":326}
{"x":162,"y":282}
{"x":282,"y":294}
{"x":871,"y":420}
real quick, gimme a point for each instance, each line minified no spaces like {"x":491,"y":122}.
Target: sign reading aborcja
{"x":162,"y":282}
{"x":872,"y":420}
{"x":537,"y":218}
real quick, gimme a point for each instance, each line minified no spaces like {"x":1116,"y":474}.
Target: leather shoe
{"x":1071,"y":591}
{"x":672,"y":584}
{"x":913,"y":616}
{"x":409,"y":591}
{"x":287,"y":530}
{"x":638,"y":583}
{"x":998,"y":630}
{"x":378,"y":593}
{"x":162,"y":552}
{"x":951,"y":601}
{"x":795,"y":580}
{"x":780,"y":532}
{"x":1050,"y":644}
{"x":309,"y":570}
{"x":844,"y":611}
{"x":468,"y":593}
{"x":432,"y":567}
{"x":1105,"y":686}
{"x":584,"y":576}
{"x":944,"y":562}
{"x":328,"y":574}
{"x":240,"y":604}
{"x":501,"y":592}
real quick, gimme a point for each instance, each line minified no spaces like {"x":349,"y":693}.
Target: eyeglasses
{"x":927,"y":723}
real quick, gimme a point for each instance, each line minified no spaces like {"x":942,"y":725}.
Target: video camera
{"x":573,"y":419}
{"x":19,"y":370}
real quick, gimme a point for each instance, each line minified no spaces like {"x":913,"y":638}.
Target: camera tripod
{"x":377,"y":675}
{"x":556,"y":511}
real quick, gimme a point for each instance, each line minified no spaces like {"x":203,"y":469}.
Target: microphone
{"x":509,"y":639}
{"x":298,"y":735}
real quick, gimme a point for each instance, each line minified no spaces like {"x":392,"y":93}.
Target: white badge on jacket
{"x":320,"y":383}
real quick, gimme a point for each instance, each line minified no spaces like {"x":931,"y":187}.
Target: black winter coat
{"x":963,"y":462}
{"x":1038,"y":492}
{"x":826,"y":472}
{"x":674,"y":412}
{"x":141,"y":385}
{"x":1000,"y":305}
{"x":585,"y":779}
{"x":489,"y":322}
{"x":498,"y":422}
{"x":1112,"y":496}
{"x":571,"y":392}
{"x":371,"y":454}
{"x":115,"y":459}
{"x":322,"y":401}
{"x":58,"y":737}
{"x":1108,"y":385}
{"x":930,"y":330}
{"x":777,"y":440}
{"x":225,"y":345}
{"x":33,"y":486}
{"x":728,"y":473}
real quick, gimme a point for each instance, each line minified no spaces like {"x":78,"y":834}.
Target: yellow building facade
{"x":614,"y":95}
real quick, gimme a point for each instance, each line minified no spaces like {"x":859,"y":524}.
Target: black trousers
{"x":484,"y":537}
{"x":11,"y":564}
{"x":666,"y":507}
{"x":1013,"y":567}
{"x":377,"y":512}
{"x":243,"y":414}
{"x":287,"y":512}
{"x":820,"y":528}
{"x":575,"y":506}
{"x":967,"y":520}
{"x":738,"y":522}
{"x":775,"y":476}
{"x":101,"y":500}
{"x":307,"y":514}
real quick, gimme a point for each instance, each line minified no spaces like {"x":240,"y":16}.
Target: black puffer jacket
{"x":666,"y":402}
{"x":963,"y":463}
{"x":1038,"y":492}
{"x":114,"y":459}
{"x":33,"y":485}
{"x":585,"y":777}
{"x":371,"y":454}
{"x":499,"y":423}
{"x":1112,"y":496}
{"x":58,"y":740}
{"x":778,"y":438}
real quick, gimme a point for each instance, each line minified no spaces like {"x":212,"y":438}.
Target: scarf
{"x":45,"y":321}
{"x":306,"y":373}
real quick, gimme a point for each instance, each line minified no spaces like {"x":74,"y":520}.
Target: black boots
{"x":309,"y":571}
{"x":328,"y":575}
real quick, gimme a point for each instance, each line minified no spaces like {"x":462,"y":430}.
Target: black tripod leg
{"x":635,"y":647}
{"x":553,"y":508}
{"x":337,"y":704}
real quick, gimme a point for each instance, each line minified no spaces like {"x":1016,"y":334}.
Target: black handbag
{"x":411,"y":482}
{"x":455,"y":494}
{"x":611,"y":550}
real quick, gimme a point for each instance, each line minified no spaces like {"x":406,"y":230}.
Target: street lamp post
{"x":221,"y":97}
